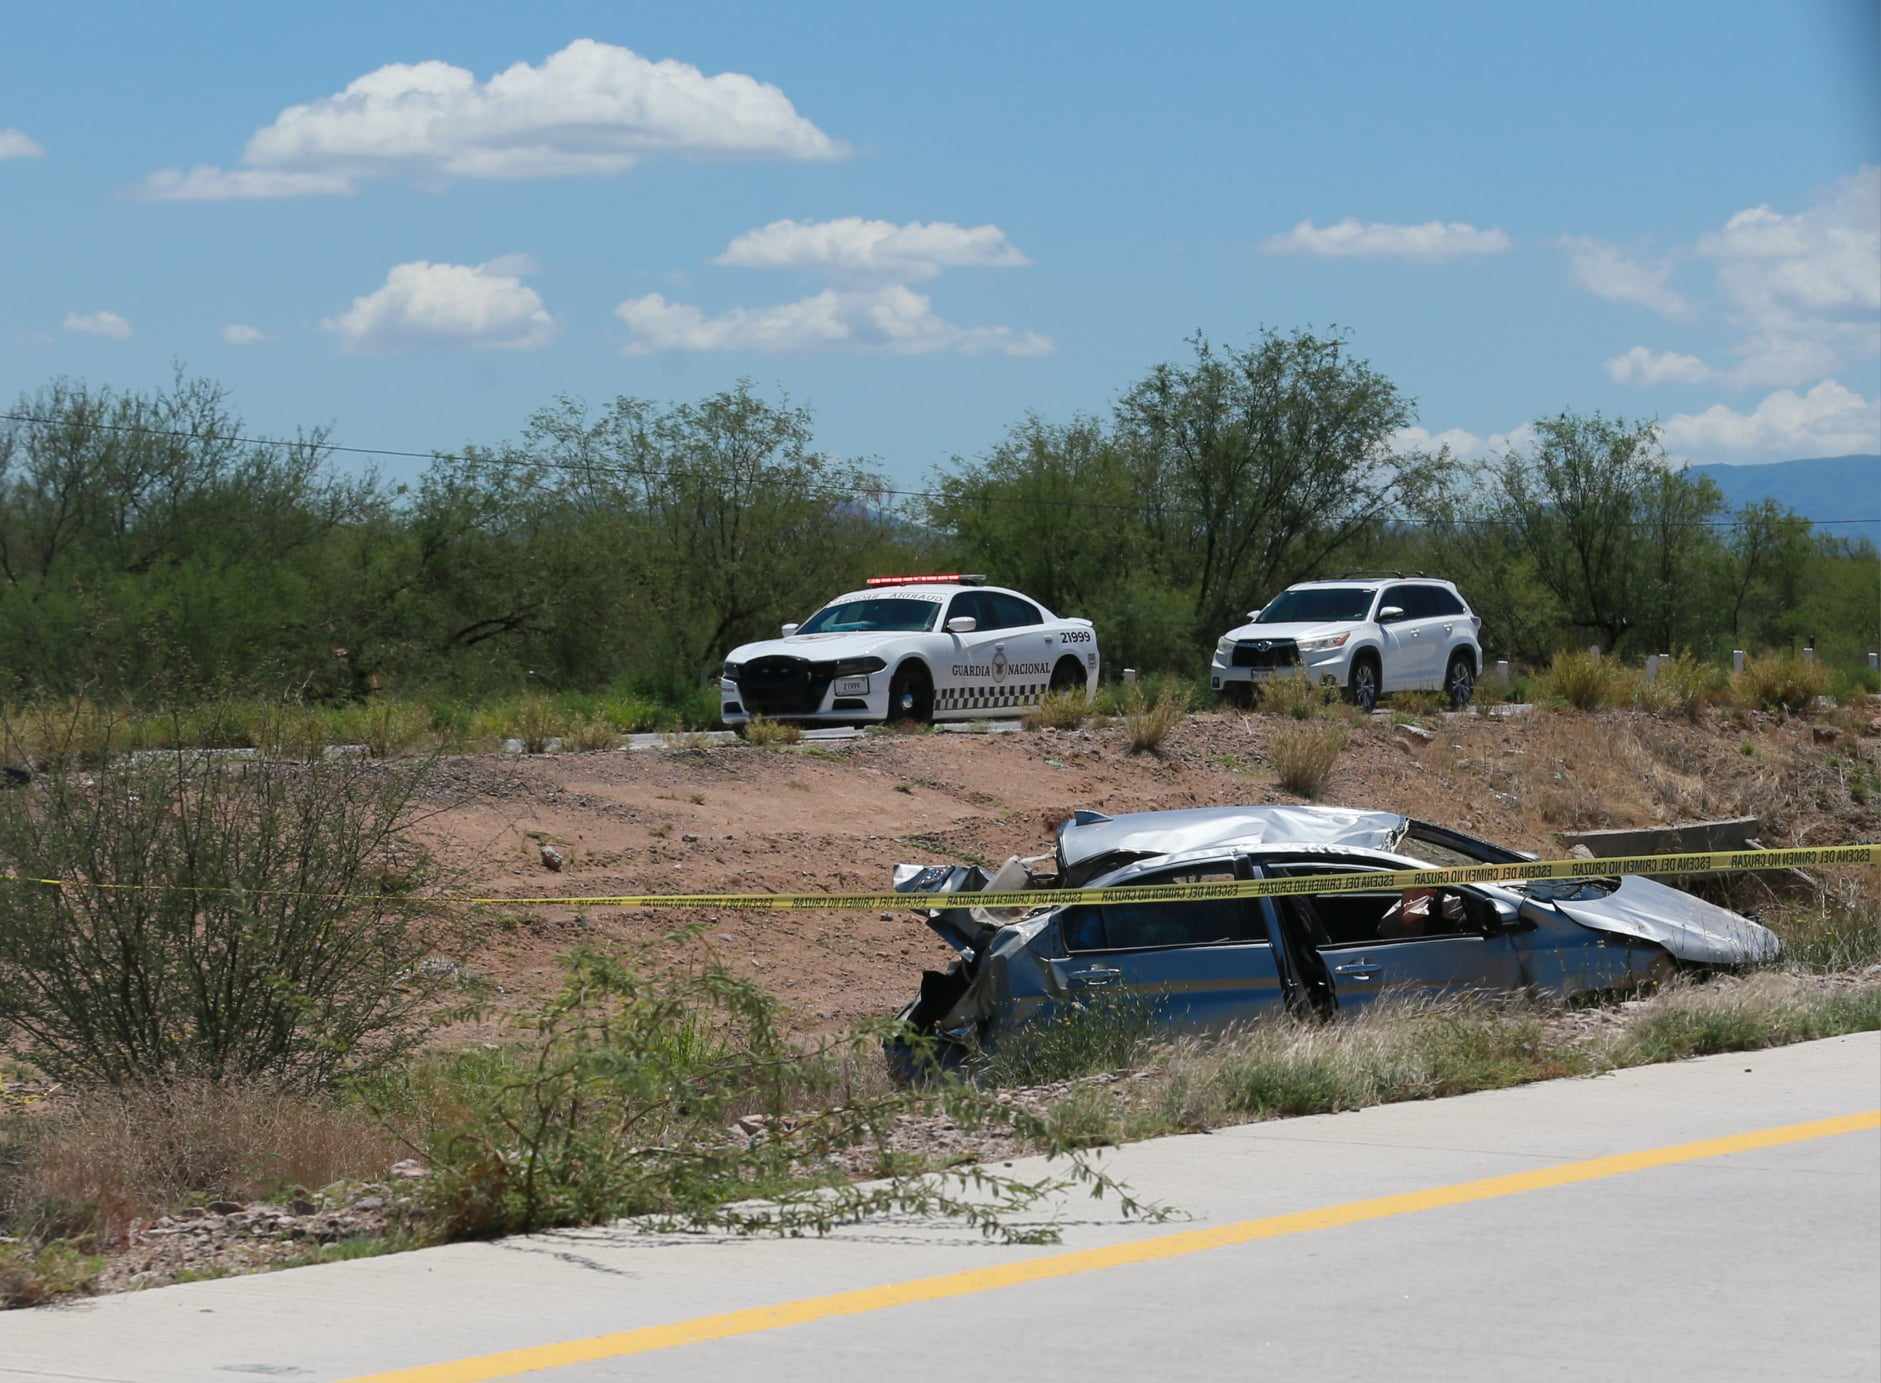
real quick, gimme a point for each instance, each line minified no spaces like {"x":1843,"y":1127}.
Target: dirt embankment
{"x":813,"y":818}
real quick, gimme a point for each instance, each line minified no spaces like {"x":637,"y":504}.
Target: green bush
{"x":680,"y":1100}
{"x":1781,"y":682}
{"x":1586,"y":681}
{"x":218,"y":919}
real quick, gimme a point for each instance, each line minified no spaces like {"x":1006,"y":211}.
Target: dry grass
{"x":591,"y":735}
{"x":772,"y":734}
{"x":1586,"y":681}
{"x":1146,"y":723}
{"x":84,"y":1171}
{"x":1304,"y":755}
{"x":1781,"y":682}
{"x":1060,"y":711}
{"x":1294,"y":697}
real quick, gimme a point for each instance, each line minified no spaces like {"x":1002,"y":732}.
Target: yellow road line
{"x":647,"y":1339}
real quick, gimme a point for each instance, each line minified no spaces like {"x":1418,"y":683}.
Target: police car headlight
{"x":859,"y":667}
{"x":731,"y":670}
{"x":1325,"y":645}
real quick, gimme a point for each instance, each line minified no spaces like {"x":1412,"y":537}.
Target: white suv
{"x":1368,"y":635}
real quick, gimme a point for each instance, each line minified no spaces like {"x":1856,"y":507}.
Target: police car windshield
{"x":1319,"y":605}
{"x":884,"y":616}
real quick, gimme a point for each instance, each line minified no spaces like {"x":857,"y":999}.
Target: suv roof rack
{"x":1375,"y":576}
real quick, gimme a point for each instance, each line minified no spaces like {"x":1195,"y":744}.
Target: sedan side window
{"x":1357,"y":919}
{"x":1011,"y":611}
{"x":1134,"y":926}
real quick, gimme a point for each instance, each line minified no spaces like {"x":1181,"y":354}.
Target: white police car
{"x":1369,"y":635}
{"x":911,"y":648}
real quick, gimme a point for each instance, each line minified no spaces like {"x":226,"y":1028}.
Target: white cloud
{"x":238,"y":334}
{"x":1804,"y":286}
{"x":1829,"y":420}
{"x":1606,"y":272}
{"x":1643,"y":366}
{"x":892,"y":319}
{"x":421,"y":303}
{"x":1351,"y":238}
{"x":850,"y":245}
{"x":591,"y":109}
{"x":1462,"y":443}
{"x":107,"y":324}
{"x":18,"y":144}
{"x":207,"y":184}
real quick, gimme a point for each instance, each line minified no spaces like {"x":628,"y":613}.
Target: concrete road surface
{"x":1719,"y":1219}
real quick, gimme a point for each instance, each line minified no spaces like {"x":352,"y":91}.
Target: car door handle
{"x":1097,"y":974}
{"x":1357,"y":970}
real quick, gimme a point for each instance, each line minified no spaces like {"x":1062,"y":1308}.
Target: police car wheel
{"x":1068,"y":676}
{"x":911,"y":694}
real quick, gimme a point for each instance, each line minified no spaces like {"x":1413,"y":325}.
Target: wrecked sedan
{"x":1205,"y":964}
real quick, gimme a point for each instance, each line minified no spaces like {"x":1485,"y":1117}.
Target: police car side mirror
{"x":962,"y":624}
{"x":788,"y":630}
{"x":1390,"y":613}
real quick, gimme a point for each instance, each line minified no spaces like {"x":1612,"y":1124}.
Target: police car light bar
{"x":955,"y":579}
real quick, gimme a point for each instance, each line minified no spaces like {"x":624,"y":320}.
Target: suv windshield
{"x":1318,"y":605}
{"x":886,"y":616}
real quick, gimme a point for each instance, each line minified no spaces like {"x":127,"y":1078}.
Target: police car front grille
{"x":1266,"y":653}
{"x":784,"y":686}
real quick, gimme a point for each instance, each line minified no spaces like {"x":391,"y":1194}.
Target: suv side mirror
{"x":788,"y":630}
{"x":962,"y":624}
{"x":1391,"y":614}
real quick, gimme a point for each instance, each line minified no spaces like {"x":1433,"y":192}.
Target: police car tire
{"x":911,"y":676}
{"x":1068,"y":676}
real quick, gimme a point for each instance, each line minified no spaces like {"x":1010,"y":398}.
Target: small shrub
{"x":1685,"y":685}
{"x":1060,"y":711}
{"x":1294,"y":697}
{"x":771,"y":734}
{"x":1304,"y":756}
{"x":33,"y":1274}
{"x":1781,"y":682}
{"x":589,"y":735}
{"x":535,"y":721}
{"x":1147,"y":723}
{"x":1586,"y":681}
{"x":1107,"y":1033}
{"x":220,"y":920}
{"x":1419,"y":703}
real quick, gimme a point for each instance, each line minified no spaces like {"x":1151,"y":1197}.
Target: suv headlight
{"x":1325,"y":645}
{"x":859,"y":667}
{"x":1225,"y":646}
{"x":731,"y":670}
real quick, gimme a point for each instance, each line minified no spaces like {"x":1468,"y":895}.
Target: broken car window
{"x":1128,"y":926}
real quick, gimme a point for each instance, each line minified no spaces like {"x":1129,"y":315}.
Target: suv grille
{"x":1266,"y":653}
{"x":784,"y":686}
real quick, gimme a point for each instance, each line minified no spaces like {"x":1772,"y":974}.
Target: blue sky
{"x":1668,"y":210}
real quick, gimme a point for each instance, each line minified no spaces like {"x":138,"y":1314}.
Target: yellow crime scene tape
{"x":1348,"y":881}
{"x":1524,"y":871}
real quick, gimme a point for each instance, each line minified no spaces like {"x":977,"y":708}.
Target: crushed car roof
{"x":1091,"y":836}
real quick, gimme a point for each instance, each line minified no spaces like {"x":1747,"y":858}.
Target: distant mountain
{"x":1829,"y":487}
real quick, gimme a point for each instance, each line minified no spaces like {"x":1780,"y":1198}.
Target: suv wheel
{"x":1361,"y":687}
{"x":1459,"y":683}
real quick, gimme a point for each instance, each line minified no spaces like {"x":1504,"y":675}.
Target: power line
{"x":871,"y":491}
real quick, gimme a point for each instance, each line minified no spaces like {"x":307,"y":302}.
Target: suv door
{"x":1458,"y":948}
{"x":1198,"y":966}
{"x":1409,"y":660}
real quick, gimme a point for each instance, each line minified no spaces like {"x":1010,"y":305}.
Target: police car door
{"x":967,"y":681}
